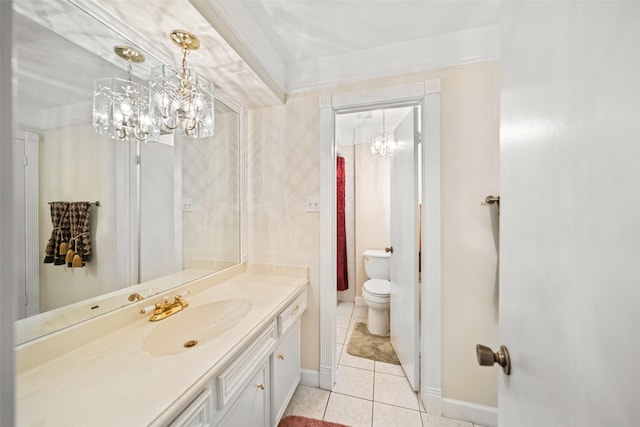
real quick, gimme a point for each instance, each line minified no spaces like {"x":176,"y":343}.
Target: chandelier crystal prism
{"x":121,"y":106}
{"x":382,"y":143}
{"x":182,"y":101}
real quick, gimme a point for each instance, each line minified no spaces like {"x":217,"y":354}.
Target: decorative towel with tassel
{"x":79,"y":252}
{"x":56,"y":249}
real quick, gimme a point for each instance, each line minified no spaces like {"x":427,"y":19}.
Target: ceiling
{"x":301,"y":44}
{"x":255,"y":51}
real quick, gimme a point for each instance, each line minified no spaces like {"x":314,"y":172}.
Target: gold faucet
{"x":167,"y":308}
{"x":135,"y":297}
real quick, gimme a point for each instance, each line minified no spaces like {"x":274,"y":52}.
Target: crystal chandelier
{"x":182,"y":101}
{"x":121,"y":107}
{"x":382,"y":143}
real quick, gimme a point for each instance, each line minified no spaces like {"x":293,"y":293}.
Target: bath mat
{"x":297,"y":421}
{"x":374,"y":347}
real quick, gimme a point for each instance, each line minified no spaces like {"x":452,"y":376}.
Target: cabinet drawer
{"x":197,"y":414}
{"x":290,"y":314}
{"x":234,"y":376}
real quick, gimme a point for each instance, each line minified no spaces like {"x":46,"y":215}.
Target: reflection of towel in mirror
{"x":61,"y":233}
{"x":80,"y":222}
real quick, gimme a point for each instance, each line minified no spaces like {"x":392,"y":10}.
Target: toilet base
{"x":378,"y":322}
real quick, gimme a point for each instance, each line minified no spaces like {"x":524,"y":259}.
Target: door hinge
{"x":26,"y":161}
{"x":419,"y":137}
{"x":138,"y":159}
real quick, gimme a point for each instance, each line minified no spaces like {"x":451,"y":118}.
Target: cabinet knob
{"x":261,"y":386}
{"x":281,"y":356}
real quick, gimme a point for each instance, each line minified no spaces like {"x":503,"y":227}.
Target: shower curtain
{"x":341,"y":253}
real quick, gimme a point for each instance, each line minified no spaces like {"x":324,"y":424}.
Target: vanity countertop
{"x":112,"y":380}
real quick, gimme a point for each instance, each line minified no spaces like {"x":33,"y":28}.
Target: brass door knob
{"x":487,"y":357}
{"x":281,"y":356}
{"x":389,"y":249}
{"x":261,"y":386}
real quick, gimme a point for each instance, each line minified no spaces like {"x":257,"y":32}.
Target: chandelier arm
{"x":165,"y":122}
{"x":192,"y":124}
{"x":121,"y":133}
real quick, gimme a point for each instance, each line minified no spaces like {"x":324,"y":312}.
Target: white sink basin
{"x":194,"y":326}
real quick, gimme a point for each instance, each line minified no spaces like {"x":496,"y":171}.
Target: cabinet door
{"x":197,"y":414}
{"x":252,"y":407}
{"x":285,"y":372}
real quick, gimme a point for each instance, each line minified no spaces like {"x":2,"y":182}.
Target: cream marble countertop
{"x":110,"y":380}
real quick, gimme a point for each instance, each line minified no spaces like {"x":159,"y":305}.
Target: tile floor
{"x":367,"y":393}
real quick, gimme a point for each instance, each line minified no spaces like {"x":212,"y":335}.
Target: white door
{"x":570,"y":214}
{"x":404,"y":241}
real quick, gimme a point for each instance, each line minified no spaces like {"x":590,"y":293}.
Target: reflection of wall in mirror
{"x":210,"y":181}
{"x":76,"y":164}
{"x":159,"y":254}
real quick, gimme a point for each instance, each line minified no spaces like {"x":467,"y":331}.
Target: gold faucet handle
{"x":180,"y":300}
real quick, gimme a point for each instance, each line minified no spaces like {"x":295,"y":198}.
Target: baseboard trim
{"x":432,"y":400}
{"x":310,"y":378}
{"x":472,"y":412}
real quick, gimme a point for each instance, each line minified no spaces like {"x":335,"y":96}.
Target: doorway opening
{"x":427,"y":96}
{"x":378,"y":198}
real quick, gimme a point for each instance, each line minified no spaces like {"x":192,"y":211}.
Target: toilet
{"x":375,"y":291}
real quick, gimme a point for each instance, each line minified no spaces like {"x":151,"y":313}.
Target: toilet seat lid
{"x":377,"y":286}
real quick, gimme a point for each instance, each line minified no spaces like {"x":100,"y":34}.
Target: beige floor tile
{"x":348,"y":410}
{"x":308,"y":402}
{"x":347,"y":336}
{"x":339,"y":348}
{"x":394,"y":416}
{"x":429,"y":420}
{"x":361,"y":311}
{"x":343,"y":321}
{"x":356,"y":362}
{"x":344,"y":308}
{"x":421,"y":405}
{"x":341,"y":335}
{"x":389,"y":368}
{"x":394,"y":390}
{"x":354,"y":382}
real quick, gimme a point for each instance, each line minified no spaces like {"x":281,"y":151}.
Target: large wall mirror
{"x":168,"y":212}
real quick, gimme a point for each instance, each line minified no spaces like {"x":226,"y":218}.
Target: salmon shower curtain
{"x":341,"y":253}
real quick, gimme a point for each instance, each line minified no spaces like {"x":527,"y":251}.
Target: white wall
{"x":284,"y":169}
{"x":210,"y":181}
{"x":372,"y":219}
{"x":160,"y":218}
{"x":76,"y":164}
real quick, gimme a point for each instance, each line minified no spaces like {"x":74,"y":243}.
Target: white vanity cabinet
{"x":240,"y":374}
{"x":255,"y":388}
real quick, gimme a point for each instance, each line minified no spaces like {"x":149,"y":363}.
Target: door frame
{"x":427,"y":95}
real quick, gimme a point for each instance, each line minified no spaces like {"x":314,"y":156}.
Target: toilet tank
{"x":376,"y":264}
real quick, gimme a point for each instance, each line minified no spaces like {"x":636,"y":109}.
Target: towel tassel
{"x":63,"y":248}
{"x":69,"y":258}
{"x":77,"y":261}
